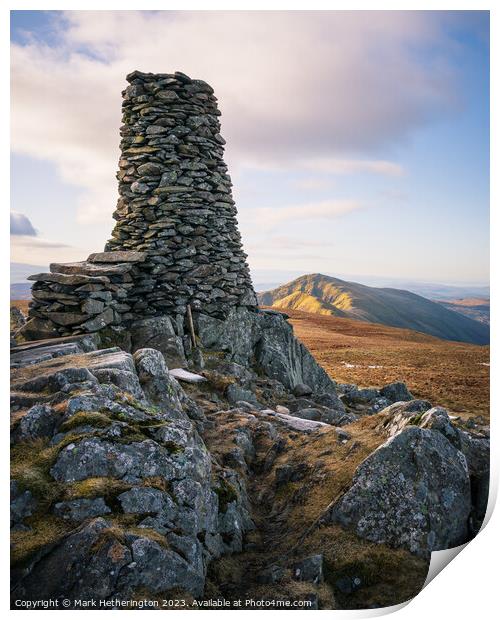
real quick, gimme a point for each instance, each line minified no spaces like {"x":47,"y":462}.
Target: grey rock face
{"x":286,"y":359}
{"x":22,"y":504}
{"x":78,"y":510}
{"x":413,"y":492}
{"x":159,"y":333}
{"x":40,"y":421}
{"x":147,"y":500}
{"x":155,"y":450}
{"x":267,"y":340}
{"x":309,"y":569}
{"x":93,"y":457}
{"x":158,"y":569}
{"x":302,"y":390}
{"x":363,"y":396}
{"x":236,"y":393}
{"x":396,"y":392}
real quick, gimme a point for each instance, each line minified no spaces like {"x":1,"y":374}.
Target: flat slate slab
{"x":184,"y":375}
{"x":91,"y":269}
{"x":299,"y":424}
{"x":42,"y":354}
{"x":68,"y":279}
{"x":85,"y":341}
{"x":118,"y":256}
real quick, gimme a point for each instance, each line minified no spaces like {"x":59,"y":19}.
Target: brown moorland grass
{"x":454,"y":375}
{"x":22,"y":304}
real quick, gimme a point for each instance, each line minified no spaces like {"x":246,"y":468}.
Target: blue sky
{"x":361,"y":150}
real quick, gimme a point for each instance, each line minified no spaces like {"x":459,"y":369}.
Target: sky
{"x":357,"y":142}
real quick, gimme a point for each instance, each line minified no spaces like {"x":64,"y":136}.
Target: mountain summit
{"x":397,"y":308}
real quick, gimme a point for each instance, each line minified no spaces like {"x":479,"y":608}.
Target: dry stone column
{"x":175,"y":200}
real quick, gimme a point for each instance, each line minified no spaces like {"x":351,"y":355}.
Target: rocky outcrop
{"x":264,"y":340}
{"x":122,"y":461}
{"x":412,"y":492}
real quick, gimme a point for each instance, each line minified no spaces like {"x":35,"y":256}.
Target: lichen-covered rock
{"x":235,"y":393}
{"x":309,"y":569}
{"x":284,"y":358}
{"x":301,"y":390}
{"x":412,"y":492}
{"x":159,"y":333}
{"x":153,"y":375}
{"x":38,"y":422}
{"x":22,"y":504}
{"x":78,"y":510}
{"x":363,"y":396}
{"x":156,"y":568}
{"x":147,"y":500}
{"x":396,"y":392}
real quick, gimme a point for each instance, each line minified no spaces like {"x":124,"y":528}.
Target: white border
{"x":468,"y":585}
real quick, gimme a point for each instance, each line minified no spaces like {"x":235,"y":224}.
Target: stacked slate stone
{"x":87,"y":296}
{"x":175,"y":200}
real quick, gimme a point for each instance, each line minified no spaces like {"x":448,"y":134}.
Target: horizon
{"x":386,"y":173}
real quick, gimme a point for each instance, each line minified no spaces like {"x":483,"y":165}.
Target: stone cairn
{"x":176,"y":242}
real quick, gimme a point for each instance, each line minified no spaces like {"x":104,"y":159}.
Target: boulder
{"x":22,"y":504}
{"x":37,"y":329}
{"x":235,"y":393}
{"x":266,"y":341}
{"x":158,"y":384}
{"x":40,"y":421}
{"x":330,"y":400}
{"x":299,"y":424}
{"x":398,"y":416}
{"x":78,"y":510}
{"x":309,"y":569}
{"x":412,"y":492}
{"x":159,"y":333}
{"x":363,"y":396}
{"x":147,"y":500}
{"x":284,"y":358}
{"x":301,"y":389}
{"x":93,"y":457}
{"x":396,"y":392}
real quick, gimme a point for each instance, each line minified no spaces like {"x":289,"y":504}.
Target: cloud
{"x":295,"y":88}
{"x":267,"y":218}
{"x":284,"y":242}
{"x":351,"y":166}
{"x":34,"y":250}
{"x":21,"y":225}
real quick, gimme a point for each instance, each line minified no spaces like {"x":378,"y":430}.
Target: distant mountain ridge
{"x":476,"y":309}
{"x":394,"y":307}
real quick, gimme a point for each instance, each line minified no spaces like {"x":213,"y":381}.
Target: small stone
{"x":184,"y":375}
{"x":301,"y":389}
{"x":92,"y":306}
{"x":139,"y":188}
{"x":309,"y":569}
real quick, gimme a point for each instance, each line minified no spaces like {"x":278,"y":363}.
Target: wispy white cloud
{"x":34,"y":250}
{"x":351,"y":166}
{"x":267,"y":218}
{"x":320,"y":90}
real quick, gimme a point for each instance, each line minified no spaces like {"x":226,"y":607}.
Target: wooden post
{"x":191,"y":326}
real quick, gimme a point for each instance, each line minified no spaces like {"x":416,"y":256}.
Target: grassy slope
{"x":451,"y":374}
{"x":397,"y":308}
{"x":477,"y":309}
